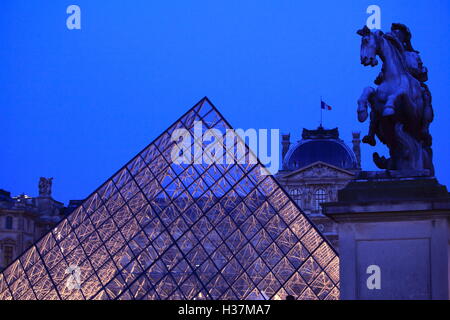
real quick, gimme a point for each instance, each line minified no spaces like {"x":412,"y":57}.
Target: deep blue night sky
{"x":77,"y":105}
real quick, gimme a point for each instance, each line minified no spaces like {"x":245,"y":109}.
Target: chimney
{"x":357,"y":147}
{"x":285,"y":143}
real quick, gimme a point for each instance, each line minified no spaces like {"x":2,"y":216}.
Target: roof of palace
{"x":320,"y":145}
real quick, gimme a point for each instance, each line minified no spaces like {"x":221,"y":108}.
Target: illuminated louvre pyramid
{"x":159,"y":230}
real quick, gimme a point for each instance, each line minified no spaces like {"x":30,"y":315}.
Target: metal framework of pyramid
{"x":157,"y":230}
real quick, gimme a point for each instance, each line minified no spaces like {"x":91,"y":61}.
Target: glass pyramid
{"x":160,"y":230}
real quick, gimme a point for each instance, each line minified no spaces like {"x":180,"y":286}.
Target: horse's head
{"x":369,"y":46}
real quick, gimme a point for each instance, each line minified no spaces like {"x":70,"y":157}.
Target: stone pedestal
{"x":402,"y":227}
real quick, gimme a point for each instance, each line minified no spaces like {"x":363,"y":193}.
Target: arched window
{"x":320,"y":196}
{"x":9,"y":223}
{"x":296,"y":195}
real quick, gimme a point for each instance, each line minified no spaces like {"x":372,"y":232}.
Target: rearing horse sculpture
{"x":397,"y":106}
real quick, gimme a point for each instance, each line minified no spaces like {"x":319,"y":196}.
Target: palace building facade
{"x":24,"y":219}
{"x":315,"y":168}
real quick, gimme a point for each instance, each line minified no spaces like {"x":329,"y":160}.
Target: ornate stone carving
{"x":319,"y":170}
{"x":45,"y":187}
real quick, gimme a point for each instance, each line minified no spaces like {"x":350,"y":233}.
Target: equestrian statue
{"x":399,"y":107}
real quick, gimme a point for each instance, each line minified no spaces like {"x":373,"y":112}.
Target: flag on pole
{"x":324,"y":106}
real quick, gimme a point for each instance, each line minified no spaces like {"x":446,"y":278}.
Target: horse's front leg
{"x":370,"y":137}
{"x":364,"y":103}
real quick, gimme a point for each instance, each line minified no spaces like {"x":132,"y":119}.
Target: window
{"x":8,"y":254}
{"x":28,"y":225}
{"x":320,"y":197}
{"x":296,"y":195}
{"x":9,"y":223}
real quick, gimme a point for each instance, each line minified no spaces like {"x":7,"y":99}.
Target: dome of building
{"x":320,"y":145}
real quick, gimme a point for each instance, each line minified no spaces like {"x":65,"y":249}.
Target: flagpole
{"x":321,"y":111}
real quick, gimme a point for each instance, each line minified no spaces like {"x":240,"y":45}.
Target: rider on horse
{"x":400,"y":36}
